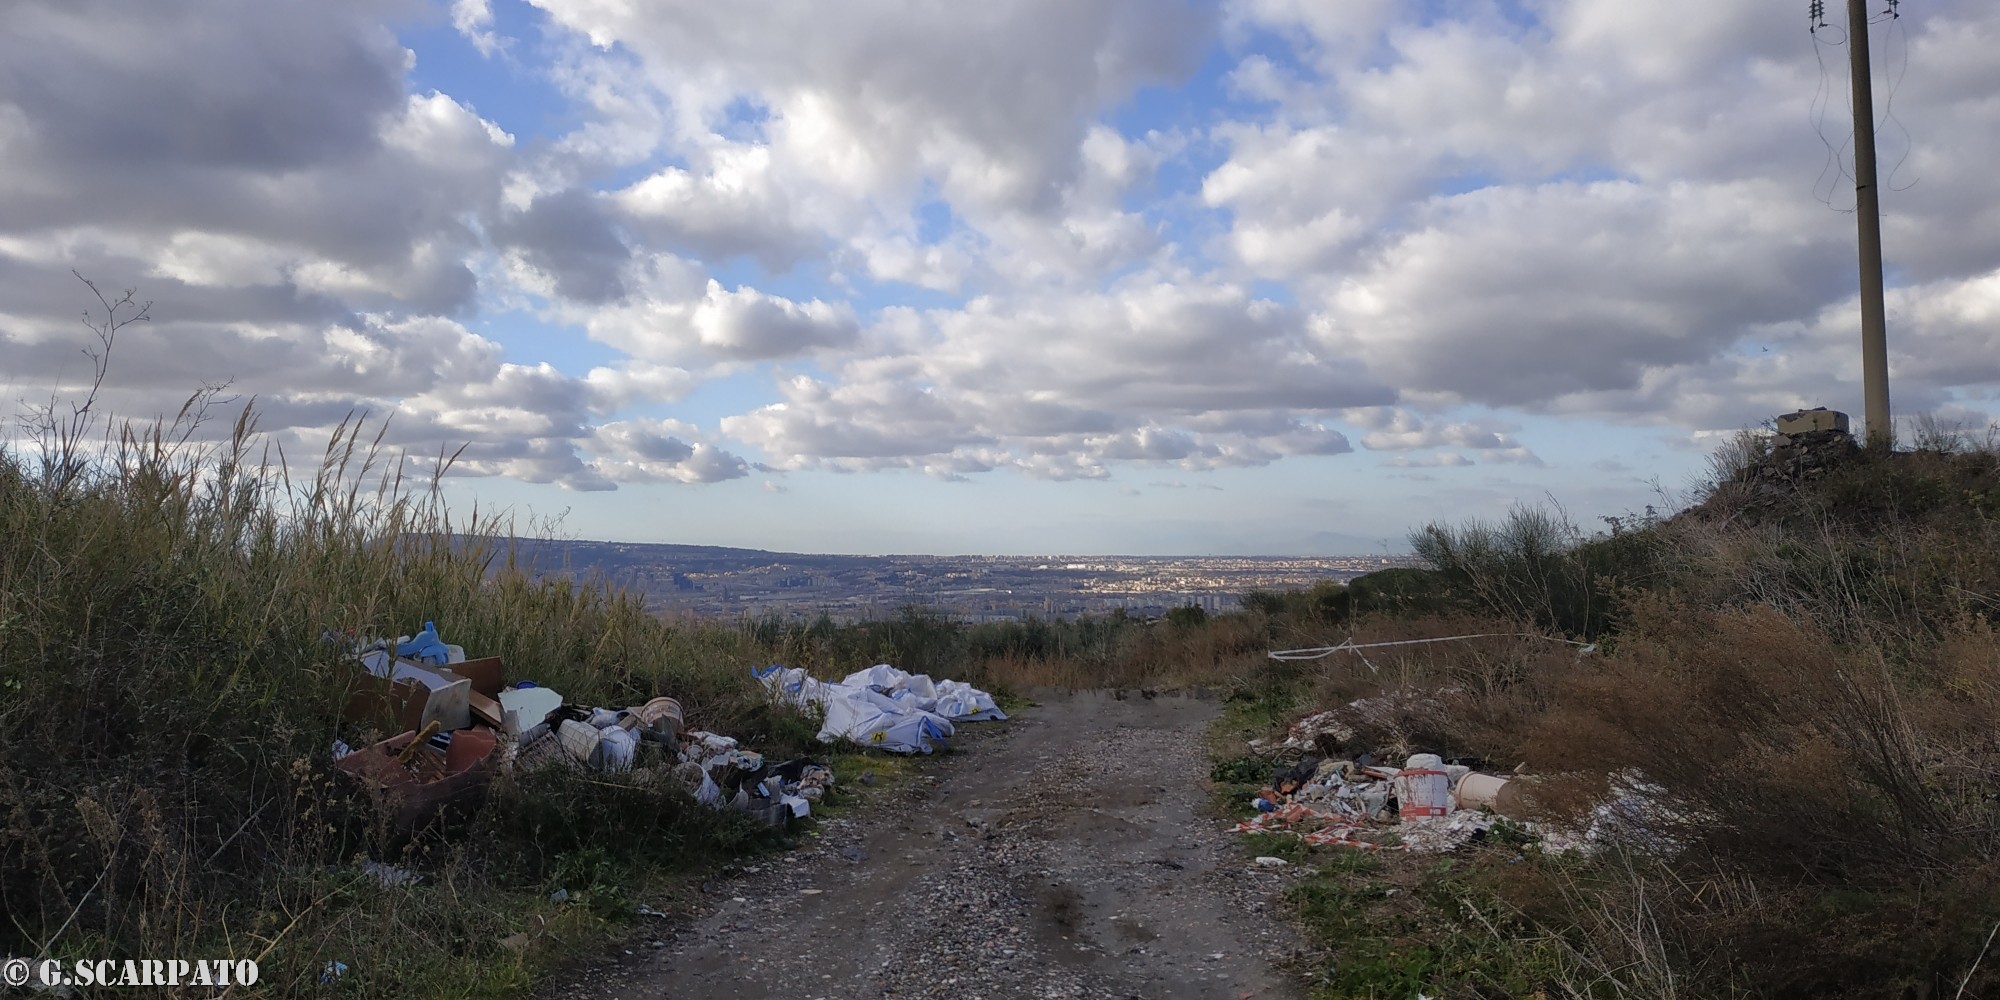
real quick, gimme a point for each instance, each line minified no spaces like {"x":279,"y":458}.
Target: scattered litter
{"x":454,"y":712}
{"x":333,"y":971}
{"x":559,"y":896}
{"x":1427,"y":806}
{"x":1348,"y":805}
{"x":1305,"y":734}
{"x":1267,"y":861}
{"x":810,"y":892}
{"x":1438,"y":835}
{"x":1634,"y":814}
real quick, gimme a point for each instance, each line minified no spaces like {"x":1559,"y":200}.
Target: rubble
{"x":1426,"y":806}
{"x":1376,"y":724}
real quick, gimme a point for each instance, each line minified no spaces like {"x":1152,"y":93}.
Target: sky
{"x":1021,"y":276}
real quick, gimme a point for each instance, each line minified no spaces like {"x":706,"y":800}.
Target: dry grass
{"x":1808,"y":681}
{"x":167,"y":703}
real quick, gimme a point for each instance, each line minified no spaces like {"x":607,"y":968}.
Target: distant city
{"x":709,"y":581}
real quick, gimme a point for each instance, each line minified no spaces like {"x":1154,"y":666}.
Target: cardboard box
{"x":390,"y":706}
{"x":420,"y":791}
{"x":414,"y":694}
{"x":484,"y":697}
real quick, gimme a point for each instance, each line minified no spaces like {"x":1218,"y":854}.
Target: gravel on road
{"x":1068,"y":852}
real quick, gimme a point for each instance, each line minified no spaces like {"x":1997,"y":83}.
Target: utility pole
{"x":1868,"y":218}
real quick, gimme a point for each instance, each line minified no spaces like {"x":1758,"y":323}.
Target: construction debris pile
{"x":1426,"y":805}
{"x":882,"y":707}
{"x":1324,"y":795}
{"x":458,"y":724}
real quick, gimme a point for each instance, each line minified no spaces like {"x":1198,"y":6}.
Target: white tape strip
{"x":1322,"y":652}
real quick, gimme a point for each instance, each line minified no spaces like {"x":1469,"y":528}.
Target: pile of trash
{"x":883,"y":707}
{"x":1427,"y":805}
{"x":458,"y":724}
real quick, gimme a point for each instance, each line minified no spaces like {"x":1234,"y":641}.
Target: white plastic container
{"x":523,"y":709}
{"x":617,"y":748}
{"x":583,"y":743}
{"x":1476,"y":791}
{"x":1423,"y":788}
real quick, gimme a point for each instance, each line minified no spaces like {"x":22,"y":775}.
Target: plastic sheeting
{"x":884,"y":707}
{"x":955,"y":700}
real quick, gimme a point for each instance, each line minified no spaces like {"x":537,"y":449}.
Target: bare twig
{"x":60,"y":438}
{"x":57,"y":936}
{"x":1975,"y":962}
{"x":239,"y":831}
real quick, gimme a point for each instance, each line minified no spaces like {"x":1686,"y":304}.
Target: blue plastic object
{"x":426,"y":647}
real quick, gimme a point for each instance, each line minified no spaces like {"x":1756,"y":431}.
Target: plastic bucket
{"x":1479,"y":791}
{"x":660,"y":708}
{"x":618,"y":747}
{"x":661,"y":717}
{"x":1423,"y":789}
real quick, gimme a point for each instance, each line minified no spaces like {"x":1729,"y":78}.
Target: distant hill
{"x":715,"y":579}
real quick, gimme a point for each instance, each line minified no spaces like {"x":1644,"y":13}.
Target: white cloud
{"x":672,"y":315}
{"x":835,"y":128}
{"x":1064,"y":386}
{"x":639,"y":382}
{"x":1636,"y":202}
{"x":1564,"y":288}
{"x":957,"y":239}
{"x":474,"y":20}
{"x":660,"y":451}
{"x":734,"y":208}
{"x":1402,"y":430}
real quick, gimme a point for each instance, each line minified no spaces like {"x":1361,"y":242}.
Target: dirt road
{"x":1066,"y":854}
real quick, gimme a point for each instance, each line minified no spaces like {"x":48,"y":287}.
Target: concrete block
{"x":1809,"y":421}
